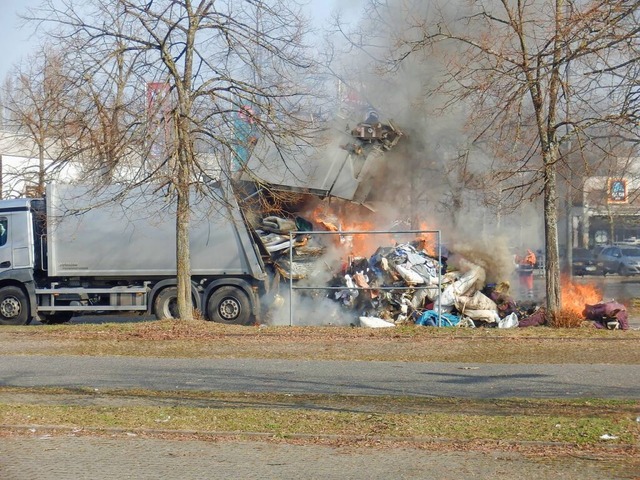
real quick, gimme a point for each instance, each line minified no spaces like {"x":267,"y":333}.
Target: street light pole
{"x":569,"y":206}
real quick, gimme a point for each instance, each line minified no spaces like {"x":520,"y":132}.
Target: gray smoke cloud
{"x":433,"y":179}
{"x":423,"y":177}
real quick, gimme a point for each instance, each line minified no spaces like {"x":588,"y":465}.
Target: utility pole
{"x":569,"y":206}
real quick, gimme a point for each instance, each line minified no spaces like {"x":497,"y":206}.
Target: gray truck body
{"x":91,"y":235}
{"x":341,"y":163}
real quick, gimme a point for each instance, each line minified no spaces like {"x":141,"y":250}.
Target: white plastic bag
{"x":375,"y":322}
{"x":409,"y":276}
{"x":478,"y":301}
{"x":490,"y":316}
{"x":510,"y":321}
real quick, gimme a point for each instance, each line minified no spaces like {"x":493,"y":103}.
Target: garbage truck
{"x":77,"y":251}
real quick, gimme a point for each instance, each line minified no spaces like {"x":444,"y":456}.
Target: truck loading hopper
{"x":338,"y":161}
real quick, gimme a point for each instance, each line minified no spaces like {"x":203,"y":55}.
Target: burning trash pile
{"x":415,"y":281}
{"x":409,"y":283}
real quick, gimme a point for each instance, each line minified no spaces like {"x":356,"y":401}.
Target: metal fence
{"x":394,"y":233}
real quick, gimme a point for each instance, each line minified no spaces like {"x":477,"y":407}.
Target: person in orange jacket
{"x":530,"y":259}
{"x":525,"y":271}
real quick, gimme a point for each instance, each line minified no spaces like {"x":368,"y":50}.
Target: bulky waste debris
{"x":410,"y":282}
{"x":405,"y":284}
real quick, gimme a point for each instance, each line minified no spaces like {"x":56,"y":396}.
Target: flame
{"x":575,"y":296}
{"x":429,"y":241}
{"x":349,"y":217}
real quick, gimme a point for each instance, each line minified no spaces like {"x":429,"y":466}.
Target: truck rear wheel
{"x":14,"y":307}
{"x":229,"y":305}
{"x":165,"y":306}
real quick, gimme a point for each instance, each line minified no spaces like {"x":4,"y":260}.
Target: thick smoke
{"x":435,"y":176}
{"x":433,"y":179}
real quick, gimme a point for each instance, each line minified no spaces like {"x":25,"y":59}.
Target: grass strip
{"x":580,"y":422}
{"x":171,"y":339}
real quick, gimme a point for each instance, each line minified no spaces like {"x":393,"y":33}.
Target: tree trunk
{"x":40,"y":192}
{"x":552,"y":264}
{"x":183,"y":254}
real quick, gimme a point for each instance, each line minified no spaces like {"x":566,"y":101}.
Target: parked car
{"x":620,"y":259}
{"x":584,"y":262}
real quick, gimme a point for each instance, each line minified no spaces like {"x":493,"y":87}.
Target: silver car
{"x":620,"y":259}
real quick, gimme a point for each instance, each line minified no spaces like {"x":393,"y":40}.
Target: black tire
{"x":57,"y":318}
{"x":165,"y":306}
{"x":229,"y":305}
{"x":14,"y":306}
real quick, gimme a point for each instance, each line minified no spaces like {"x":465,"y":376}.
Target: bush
{"x":567,"y":319}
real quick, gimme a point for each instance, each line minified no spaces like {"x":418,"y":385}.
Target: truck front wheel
{"x":229,"y":305}
{"x":14,"y":307}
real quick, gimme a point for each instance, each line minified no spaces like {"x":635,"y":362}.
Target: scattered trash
{"x":606,"y":436}
{"x":409,"y":283}
{"x":610,"y":315}
{"x":405,"y":284}
{"x":373,"y":322}
{"x":510,"y":321}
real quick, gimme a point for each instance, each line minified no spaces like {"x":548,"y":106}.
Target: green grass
{"x":579,"y":422}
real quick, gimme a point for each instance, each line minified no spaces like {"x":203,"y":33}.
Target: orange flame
{"x":348,"y":217}
{"x":575,"y":296}
{"x":429,"y":240}
{"x":342,"y":220}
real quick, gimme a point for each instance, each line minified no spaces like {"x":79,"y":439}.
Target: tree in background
{"x":159,"y":88}
{"x":35,"y":101}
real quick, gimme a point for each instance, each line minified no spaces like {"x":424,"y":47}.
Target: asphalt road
{"x":324,"y":377}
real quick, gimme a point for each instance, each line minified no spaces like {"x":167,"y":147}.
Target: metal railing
{"x":415,"y":233}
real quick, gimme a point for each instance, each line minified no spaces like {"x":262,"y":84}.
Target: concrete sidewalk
{"x":69,"y":457}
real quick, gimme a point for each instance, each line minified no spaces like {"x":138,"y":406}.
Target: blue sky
{"x":17,"y":43}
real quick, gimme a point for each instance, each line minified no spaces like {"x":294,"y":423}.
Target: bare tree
{"x":533,"y":75}
{"x":34,"y":100}
{"x":169,"y":84}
